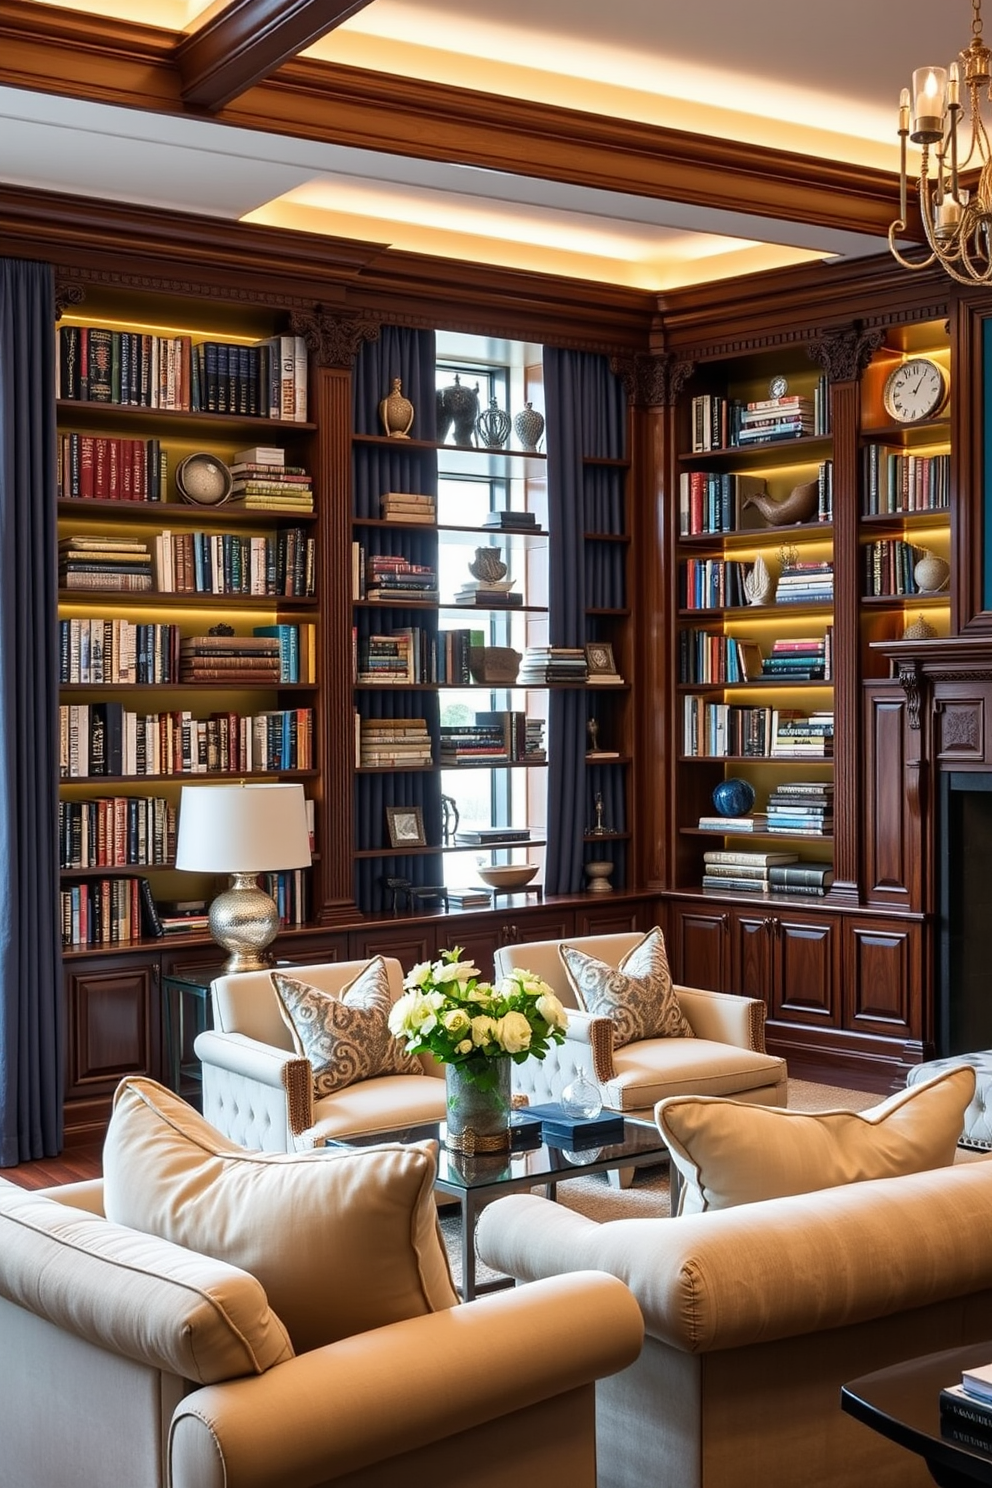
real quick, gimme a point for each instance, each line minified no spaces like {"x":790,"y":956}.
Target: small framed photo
{"x":406,"y":826}
{"x":599,"y":659}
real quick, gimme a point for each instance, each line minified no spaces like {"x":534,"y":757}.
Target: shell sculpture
{"x":759,"y":586}
{"x":799,"y":506}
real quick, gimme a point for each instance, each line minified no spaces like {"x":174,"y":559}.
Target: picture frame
{"x":599,"y":659}
{"x":406,"y":826}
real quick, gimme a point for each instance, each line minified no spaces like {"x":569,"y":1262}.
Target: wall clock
{"x":915,"y":390}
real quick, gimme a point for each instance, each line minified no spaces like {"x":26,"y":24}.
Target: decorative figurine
{"x":599,"y":830}
{"x":799,"y":506}
{"x":396,"y":412}
{"x":598,"y":875}
{"x":457,"y":408}
{"x":592,"y":729}
{"x":493,"y":426}
{"x":759,"y":586}
{"x":449,"y":821}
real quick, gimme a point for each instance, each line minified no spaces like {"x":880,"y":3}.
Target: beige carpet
{"x":647,"y":1196}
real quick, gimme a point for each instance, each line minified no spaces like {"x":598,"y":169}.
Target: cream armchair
{"x":259,"y":1092}
{"x":726,"y":1057}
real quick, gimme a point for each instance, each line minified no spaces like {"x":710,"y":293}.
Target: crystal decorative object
{"x":581,"y":1099}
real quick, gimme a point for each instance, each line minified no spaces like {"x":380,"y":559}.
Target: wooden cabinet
{"x":702,"y":946}
{"x":113,"y":1029}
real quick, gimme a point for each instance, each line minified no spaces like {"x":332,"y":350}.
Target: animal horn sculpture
{"x":799,"y":506}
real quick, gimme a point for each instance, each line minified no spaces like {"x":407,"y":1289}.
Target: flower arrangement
{"x":448,"y":1010}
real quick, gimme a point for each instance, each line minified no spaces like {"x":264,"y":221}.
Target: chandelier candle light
{"x":243,"y":830}
{"x":958,"y":224}
{"x":477,"y":1031}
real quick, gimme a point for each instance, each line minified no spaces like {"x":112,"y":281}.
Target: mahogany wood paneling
{"x":113,"y":1026}
{"x":804,"y":985}
{"x":702,"y":948}
{"x":753,"y":955}
{"x":247,"y":40}
{"x":410,"y":943}
{"x":891,"y":795}
{"x":970,"y":524}
{"x":960,"y":730}
{"x":845,"y":398}
{"x":610,"y":918}
{"x":882,"y":978}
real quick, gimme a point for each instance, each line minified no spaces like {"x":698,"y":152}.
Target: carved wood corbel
{"x":333,"y":340}
{"x":66,"y":295}
{"x":844,"y":355}
{"x":909,"y":681}
{"x":653,"y":381}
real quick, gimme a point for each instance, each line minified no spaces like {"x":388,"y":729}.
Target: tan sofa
{"x":757,"y":1315}
{"x":131,"y":1361}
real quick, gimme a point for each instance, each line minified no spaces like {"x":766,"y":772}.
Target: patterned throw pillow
{"x":345,"y":1036}
{"x":638,"y":995}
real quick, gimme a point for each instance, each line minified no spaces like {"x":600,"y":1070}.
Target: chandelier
{"x":957,"y":223}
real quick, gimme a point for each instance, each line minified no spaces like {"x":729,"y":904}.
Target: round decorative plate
{"x":203,"y":480}
{"x":734,"y":797}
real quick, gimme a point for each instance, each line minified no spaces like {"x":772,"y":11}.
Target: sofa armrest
{"x":277,"y":1068}
{"x":87,"y":1194}
{"x":366,"y":1399}
{"x":724,"y":1017}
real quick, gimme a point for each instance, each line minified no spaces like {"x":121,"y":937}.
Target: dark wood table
{"x":902,"y":1403}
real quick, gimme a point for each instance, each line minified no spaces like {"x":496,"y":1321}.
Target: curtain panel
{"x":31,"y":1032}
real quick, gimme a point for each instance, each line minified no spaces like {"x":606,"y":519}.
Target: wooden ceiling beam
{"x":248,"y":40}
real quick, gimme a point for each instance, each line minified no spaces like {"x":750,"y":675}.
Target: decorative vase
{"x":931,"y":573}
{"x":598,"y":874}
{"x":396,"y":412}
{"x":919,"y":630}
{"x":493,"y":426}
{"x":457,"y":409}
{"x":529,"y":426}
{"x":734,"y":797}
{"x":478,"y":1120}
{"x":581,"y":1099}
{"x":488,"y":566}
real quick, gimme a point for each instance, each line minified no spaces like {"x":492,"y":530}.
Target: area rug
{"x":647,"y":1196}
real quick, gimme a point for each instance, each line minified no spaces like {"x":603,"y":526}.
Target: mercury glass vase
{"x":478,"y":1120}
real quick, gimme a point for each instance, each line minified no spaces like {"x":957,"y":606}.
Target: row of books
{"x":500,"y":736}
{"x":283,"y":564}
{"x":888,"y":566}
{"x":414,"y":654}
{"x":105,"y":911}
{"x":97,"y":364}
{"x":715,"y":730}
{"x":713,"y":583}
{"x":802,"y":808}
{"x":104,"y":468}
{"x":117,"y":832}
{"x":805,"y":583}
{"x":105,"y":739}
{"x":719,"y":422}
{"x":765,"y":872}
{"x":393,"y":578}
{"x":101,"y":650}
{"x":894,"y":481}
{"x":392,"y":742}
{"x":710,"y":658}
{"x":806,"y":734}
{"x":288,"y":889}
{"x":716,"y":501}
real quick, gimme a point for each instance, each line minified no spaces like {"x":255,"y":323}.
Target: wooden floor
{"x":72,"y":1165}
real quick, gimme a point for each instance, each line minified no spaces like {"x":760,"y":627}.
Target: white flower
{"x":514,"y":1033}
{"x":420,"y":974}
{"x":551,"y":1010}
{"x":484,"y":1031}
{"x":465,"y":1047}
{"x":456,"y":971}
{"x":456,"y":1021}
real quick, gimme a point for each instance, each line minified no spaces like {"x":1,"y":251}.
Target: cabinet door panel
{"x":703,"y":949}
{"x":753,"y":956}
{"x":608,"y":919}
{"x":803,"y":988}
{"x":882,"y":979}
{"x":892,"y":856}
{"x":112,"y":1026}
{"x":409,"y":944}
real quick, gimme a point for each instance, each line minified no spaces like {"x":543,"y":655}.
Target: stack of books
{"x":248,"y":660}
{"x":489,"y":593}
{"x":104,"y":563}
{"x":734,"y":826}
{"x":805,"y":583}
{"x":807,"y":734}
{"x":543,"y":664}
{"x":408,"y":506}
{"x":749,"y":871}
{"x":391,"y":578}
{"x":800,"y":878}
{"x":511,"y":521}
{"x":802,"y":808}
{"x":478,"y":743}
{"x":386,"y":658}
{"x":491,"y":836}
{"x":767,"y":419}
{"x":469,"y":898}
{"x":966,"y":1409}
{"x":264,"y":482}
{"x":387,"y":742}
{"x":800,"y":659}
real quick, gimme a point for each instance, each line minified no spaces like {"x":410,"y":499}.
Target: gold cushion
{"x":344,"y":1035}
{"x":638,"y":995}
{"x":732,"y":1153}
{"x":342,"y":1241}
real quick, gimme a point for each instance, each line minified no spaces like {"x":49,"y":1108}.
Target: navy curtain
{"x":377,"y":468}
{"x":586,"y":418}
{"x":31,"y":1035}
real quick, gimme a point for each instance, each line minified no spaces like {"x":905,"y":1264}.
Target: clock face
{"x":915,"y":390}
{"x":778,"y":387}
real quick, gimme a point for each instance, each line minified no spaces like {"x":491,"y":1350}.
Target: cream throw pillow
{"x":341,"y":1241}
{"x":638,"y":995}
{"x":731,"y":1153}
{"x":344,"y":1035}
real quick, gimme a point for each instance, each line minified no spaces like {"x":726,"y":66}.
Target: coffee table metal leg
{"x":469,"y":1215}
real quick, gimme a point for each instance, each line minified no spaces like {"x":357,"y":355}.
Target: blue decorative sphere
{"x":734,"y":797}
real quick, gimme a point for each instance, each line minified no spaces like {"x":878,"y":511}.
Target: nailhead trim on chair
{"x":601,"y":1039}
{"x":297,"y":1079}
{"x":757,"y":1032}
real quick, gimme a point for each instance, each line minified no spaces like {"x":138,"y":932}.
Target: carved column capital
{"x":66,"y":295}
{"x":909,"y":680}
{"x":333,"y":340}
{"x":653,"y":381}
{"x":844,"y":355}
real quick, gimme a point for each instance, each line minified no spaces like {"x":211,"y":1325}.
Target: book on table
{"x":558,"y":1129}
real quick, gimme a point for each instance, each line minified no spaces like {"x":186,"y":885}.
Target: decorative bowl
{"x":203,"y":480}
{"x":507,"y":875}
{"x":734,"y":797}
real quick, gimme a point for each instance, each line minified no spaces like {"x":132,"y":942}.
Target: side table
{"x":186,"y":1003}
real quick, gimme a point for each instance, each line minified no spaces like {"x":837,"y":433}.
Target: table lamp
{"x":243,"y":830}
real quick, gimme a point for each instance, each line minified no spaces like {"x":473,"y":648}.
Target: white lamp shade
{"x":242,"y":829}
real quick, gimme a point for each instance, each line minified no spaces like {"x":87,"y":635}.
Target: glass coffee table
{"x":477,"y":1181}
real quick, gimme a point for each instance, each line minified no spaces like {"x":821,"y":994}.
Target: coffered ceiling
{"x":649,"y":144}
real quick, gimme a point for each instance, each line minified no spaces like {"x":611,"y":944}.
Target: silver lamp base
{"x":245,"y":921}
